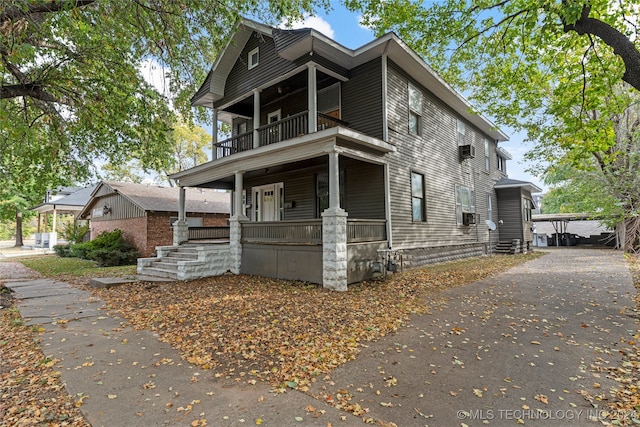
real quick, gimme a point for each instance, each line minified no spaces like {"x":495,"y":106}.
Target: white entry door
{"x":268,"y":202}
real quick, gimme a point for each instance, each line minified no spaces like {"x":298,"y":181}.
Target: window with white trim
{"x":487,"y":161}
{"x":415,"y":110}
{"x":462,"y":132}
{"x":502,"y":163}
{"x":489,"y":207}
{"x":465,"y":202}
{"x":253,"y":58}
{"x":527,"y":207}
{"x":417,"y":197}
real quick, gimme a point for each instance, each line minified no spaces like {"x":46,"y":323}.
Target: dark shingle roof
{"x":165,"y":199}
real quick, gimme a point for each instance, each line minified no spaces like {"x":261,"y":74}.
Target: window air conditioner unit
{"x":468,"y":218}
{"x":466,"y":151}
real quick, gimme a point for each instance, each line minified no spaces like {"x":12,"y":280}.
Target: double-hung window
{"x":489,"y":207}
{"x":487,"y":162}
{"x":415,"y":110}
{"x":462,"y":132}
{"x":417,"y":197}
{"x":465,"y":202}
{"x":527,"y":207}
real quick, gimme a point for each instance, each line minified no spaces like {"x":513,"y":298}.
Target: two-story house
{"x":344,"y":162}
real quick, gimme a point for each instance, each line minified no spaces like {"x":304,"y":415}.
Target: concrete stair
{"x":186,"y":262}
{"x":509,"y":247}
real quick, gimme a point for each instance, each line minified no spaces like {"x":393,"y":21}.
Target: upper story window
{"x":527,"y":207}
{"x":462,"y":132}
{"x":502,"y":163}
{"x":487,"y":161}
{"x":415,"y":110}
{"x":253,"y":58}
{"x":417,"y":197}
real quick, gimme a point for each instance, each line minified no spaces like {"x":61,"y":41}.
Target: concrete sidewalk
{"x":533,"y":344}
{"x":130,"y":378}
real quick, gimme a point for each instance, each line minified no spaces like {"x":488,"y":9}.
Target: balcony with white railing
{"x":282,"y":130}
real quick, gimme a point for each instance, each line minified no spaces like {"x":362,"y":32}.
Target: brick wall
{"x":214,"y":220}
{"x":134,"y":230}
{"x":145,"y":233}
{"x":159,"y":230}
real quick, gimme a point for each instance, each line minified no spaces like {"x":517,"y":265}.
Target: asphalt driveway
{"x":533,"y":345}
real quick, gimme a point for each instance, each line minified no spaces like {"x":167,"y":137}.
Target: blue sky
{"x":344,"y":27}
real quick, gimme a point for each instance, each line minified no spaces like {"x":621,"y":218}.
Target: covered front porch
{"x":313,"y":208}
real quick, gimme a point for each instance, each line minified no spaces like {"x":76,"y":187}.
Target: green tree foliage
{"x":555,"y":69}
{"x":189,"y":148}
{"x":72,"y":90}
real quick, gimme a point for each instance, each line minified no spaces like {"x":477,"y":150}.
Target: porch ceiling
{"x":295,"y":150}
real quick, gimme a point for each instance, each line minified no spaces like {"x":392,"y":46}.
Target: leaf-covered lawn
{"x":32,"y":393}
{"x":287,"y":333}
{"x":628,"y":375}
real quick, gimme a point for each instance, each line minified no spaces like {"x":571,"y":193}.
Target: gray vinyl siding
{"x":362,"y":99}
{"x":433,"y":153}
{"x":270,"y":66}
{"x":510,"y":212}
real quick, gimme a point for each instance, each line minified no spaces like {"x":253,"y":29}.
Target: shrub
{"x":74,"y":232}
{"x":108,"y":249}
{"x":63,"y":251}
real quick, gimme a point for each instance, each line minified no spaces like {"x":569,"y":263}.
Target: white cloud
{"x":314,"y":22}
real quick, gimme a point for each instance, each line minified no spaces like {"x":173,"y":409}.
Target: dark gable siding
{"x":241,"y":80}
{"x":364,"y":187}
{"x":362,"y":99}
{"x":435,"y":155}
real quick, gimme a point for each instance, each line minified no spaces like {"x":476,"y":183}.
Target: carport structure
{"x":560,"y":221}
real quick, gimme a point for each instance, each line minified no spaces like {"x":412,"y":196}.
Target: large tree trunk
{"x":19,"y":242}
{"x":631,"y":242}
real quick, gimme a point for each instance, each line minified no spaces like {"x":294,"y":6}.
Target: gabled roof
{"x":154,"y":198}
{"x":72,"y":203}
{"x":514,"y":183}
{"x":293,"y":44}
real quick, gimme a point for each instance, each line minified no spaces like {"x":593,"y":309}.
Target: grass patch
{"x":54,"y":266}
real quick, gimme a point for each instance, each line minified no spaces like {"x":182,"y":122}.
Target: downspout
{"x":385,"y":138}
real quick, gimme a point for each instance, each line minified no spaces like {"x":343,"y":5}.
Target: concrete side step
{"x":159,"y":272}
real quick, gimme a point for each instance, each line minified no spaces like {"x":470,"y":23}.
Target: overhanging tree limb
{"x":621,"y":44}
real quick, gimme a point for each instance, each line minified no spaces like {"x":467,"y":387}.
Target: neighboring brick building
{"x":145,"y":212}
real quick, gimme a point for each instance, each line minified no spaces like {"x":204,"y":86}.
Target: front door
{"x":268,"y":202}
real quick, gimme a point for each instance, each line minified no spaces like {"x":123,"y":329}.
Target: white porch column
{"x":334,"y":234}
{"x":256,"y":118}
{"x":235,"y":227}
{"x":312,"y":102}
{"x":53,"y":237}
{"x":181,"y":226}
{"x":214,"y":135}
